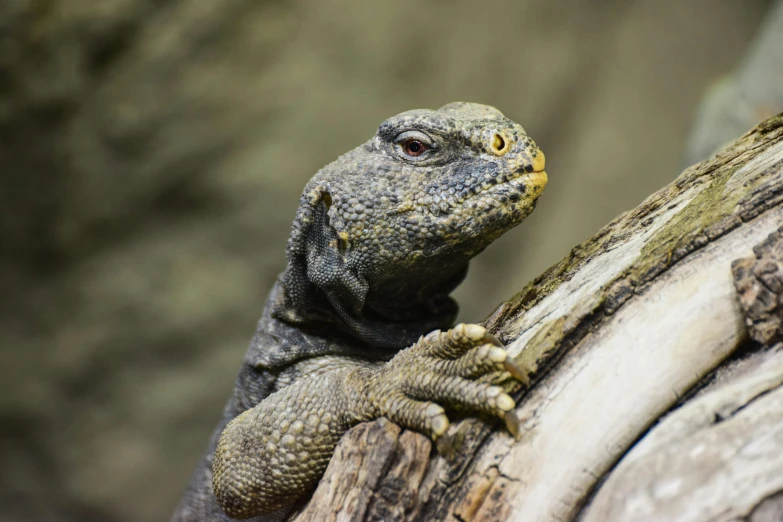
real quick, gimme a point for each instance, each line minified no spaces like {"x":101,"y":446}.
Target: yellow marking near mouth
{"x":539,"y":162}
{"x":536,"y":181}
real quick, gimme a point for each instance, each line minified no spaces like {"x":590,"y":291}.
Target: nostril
{"x":498,"y":144}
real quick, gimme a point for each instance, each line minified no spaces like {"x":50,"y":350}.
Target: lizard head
{"x":386,"y":231}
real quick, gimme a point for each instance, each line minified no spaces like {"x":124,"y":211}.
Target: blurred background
{"x":152,"y":154}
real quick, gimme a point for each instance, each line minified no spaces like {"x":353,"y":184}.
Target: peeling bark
{"x":621,"y":333}
{"x":759,"y":283}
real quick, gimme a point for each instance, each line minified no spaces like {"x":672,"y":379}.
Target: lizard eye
{"x":413,"y":144}
{"x":414,"y":148}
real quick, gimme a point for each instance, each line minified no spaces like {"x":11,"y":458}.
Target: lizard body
{"x":381,"y":237}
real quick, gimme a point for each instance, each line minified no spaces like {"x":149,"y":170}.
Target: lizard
{"x":356,"y":327}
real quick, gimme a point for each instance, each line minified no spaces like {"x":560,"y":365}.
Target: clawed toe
{"x":479,"y":361}
{"x":488,"y":338}
{"x":516,"y":371}
{"x":454,"y":368}
{"x":474,"y":332}
{"x":439,"y":423}
{"x":512,"y":423}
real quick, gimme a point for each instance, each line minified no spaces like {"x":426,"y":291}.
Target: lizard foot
{"x":456,"y":368}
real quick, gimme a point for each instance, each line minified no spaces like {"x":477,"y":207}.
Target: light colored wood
{"x":716,"y":458}
{"x":626,"y":375}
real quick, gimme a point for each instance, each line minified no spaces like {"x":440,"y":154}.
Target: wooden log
{"x":619,"y":333}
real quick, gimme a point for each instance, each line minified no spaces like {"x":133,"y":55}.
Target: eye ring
{"x":414,"y":145}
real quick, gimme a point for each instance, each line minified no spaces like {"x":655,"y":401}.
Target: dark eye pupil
{"x":414,"y":148}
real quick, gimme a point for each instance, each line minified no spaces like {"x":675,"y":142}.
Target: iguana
{"x":352,"y":329}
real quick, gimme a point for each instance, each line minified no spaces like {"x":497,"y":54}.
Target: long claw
{"x":516,"y":371}
{"x":491,"y":339}
{"x":512,"y":423}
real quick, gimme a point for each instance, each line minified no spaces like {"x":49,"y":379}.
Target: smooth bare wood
{"x":619,"y":332}
{"x":719,"y":457}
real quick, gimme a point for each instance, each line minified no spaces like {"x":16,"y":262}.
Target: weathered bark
{"x":718,"y":457}
{"x":639,"y":320}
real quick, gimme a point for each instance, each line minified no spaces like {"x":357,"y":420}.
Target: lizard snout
{"x":534,"y":164}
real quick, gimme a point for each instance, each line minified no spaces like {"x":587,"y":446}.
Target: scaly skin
{"x":381,"y":237}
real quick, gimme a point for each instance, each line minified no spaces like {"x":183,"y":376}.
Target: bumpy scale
{"x":381,"y":237}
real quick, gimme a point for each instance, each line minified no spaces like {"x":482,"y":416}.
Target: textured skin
{"x":380,"y":239}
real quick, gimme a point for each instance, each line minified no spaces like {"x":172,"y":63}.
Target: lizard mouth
{"x":518,"y":184}
{"x":526,"y":182}
{"x":530,"y":179}
{"x":533,"y":182}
